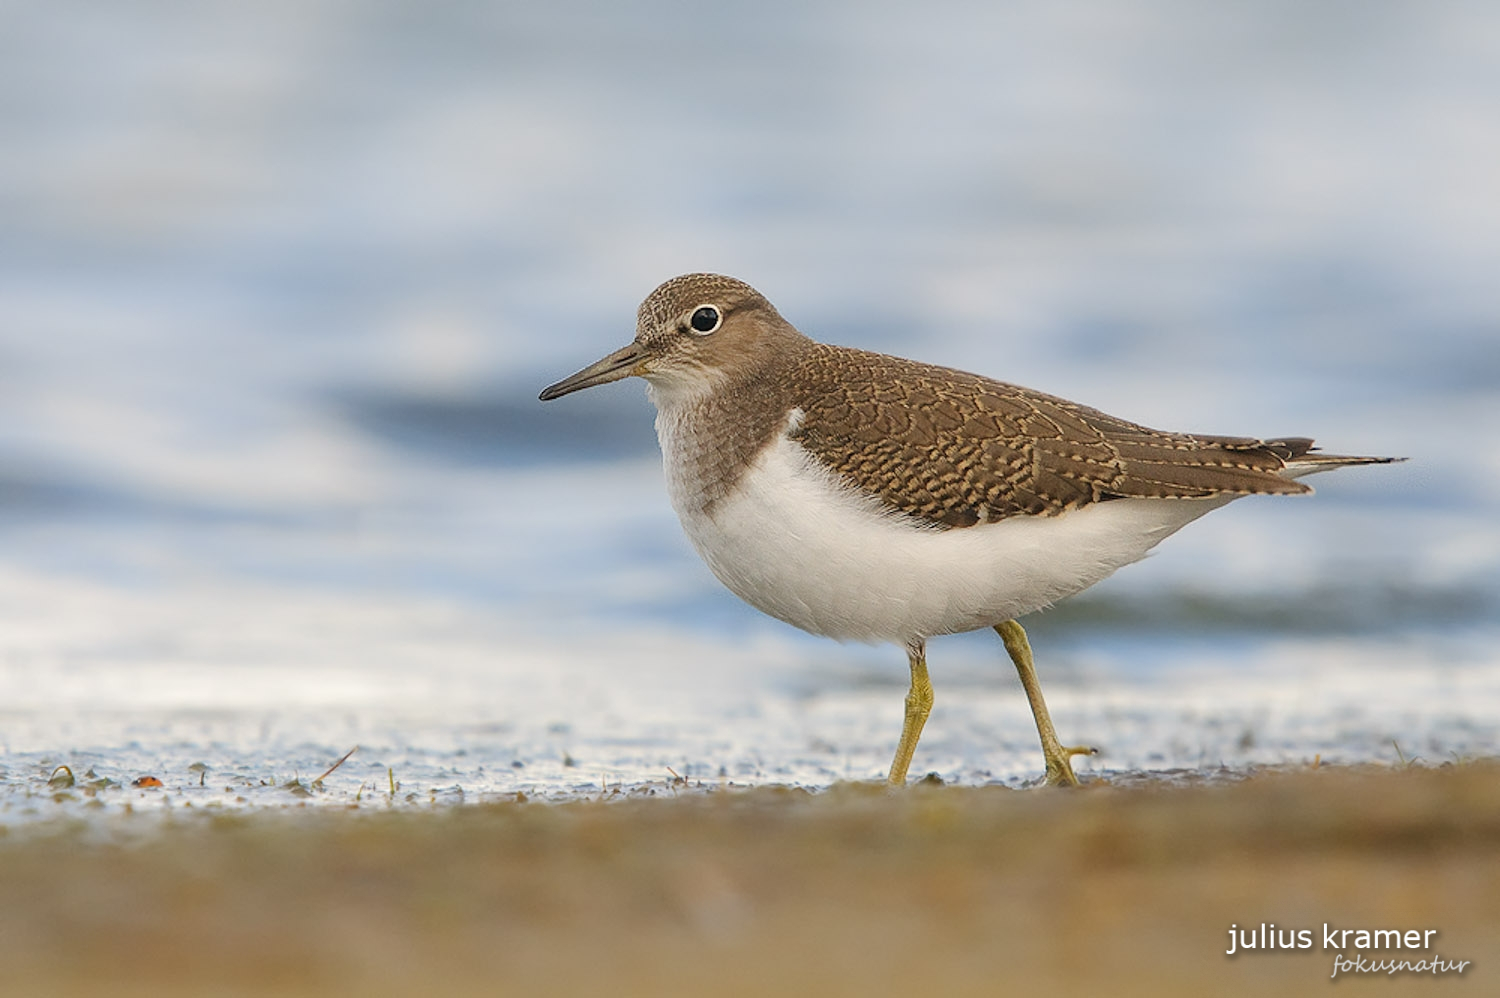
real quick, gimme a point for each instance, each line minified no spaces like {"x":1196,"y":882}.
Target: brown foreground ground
{"x":933,"y":891}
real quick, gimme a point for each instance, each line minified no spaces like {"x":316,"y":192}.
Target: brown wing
{"x":957,"y":449}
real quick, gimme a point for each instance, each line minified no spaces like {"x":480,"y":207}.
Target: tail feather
{"x":1309,"y":463}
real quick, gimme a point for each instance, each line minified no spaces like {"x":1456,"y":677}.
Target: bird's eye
{"x":705,"y":319}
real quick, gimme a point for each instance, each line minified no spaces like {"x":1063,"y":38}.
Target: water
{"x":279,"y":285}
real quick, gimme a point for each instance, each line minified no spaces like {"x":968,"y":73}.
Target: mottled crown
{"x":670,"y":300}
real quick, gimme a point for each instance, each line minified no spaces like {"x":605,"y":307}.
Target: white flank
{"x":799,"y":544}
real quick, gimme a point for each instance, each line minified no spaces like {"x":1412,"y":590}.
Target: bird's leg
{"x":1059,"y":756}
{"x":918,"y":706}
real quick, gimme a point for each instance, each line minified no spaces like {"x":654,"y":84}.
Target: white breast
{"x":799,"y":544}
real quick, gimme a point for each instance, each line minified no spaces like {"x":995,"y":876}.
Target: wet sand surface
{"x":1129,"y":888}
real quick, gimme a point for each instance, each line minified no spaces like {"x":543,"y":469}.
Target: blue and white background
{"x":279,"y":283}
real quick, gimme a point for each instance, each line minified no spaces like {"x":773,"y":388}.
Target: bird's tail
{"x":1311,"y":461}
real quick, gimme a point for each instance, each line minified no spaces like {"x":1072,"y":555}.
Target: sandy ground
{"x":1122,"y":890}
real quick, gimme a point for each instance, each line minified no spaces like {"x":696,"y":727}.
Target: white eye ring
{"x":705,"y":319}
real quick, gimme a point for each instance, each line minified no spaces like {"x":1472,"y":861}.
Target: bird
{"x":866,"y":497}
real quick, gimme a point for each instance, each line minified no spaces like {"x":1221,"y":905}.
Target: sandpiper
{"x":870,"y":498}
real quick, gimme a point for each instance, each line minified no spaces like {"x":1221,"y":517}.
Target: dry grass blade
{"x":342,"y":759}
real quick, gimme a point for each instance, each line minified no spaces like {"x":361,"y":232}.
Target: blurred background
{"x":279,"y":284}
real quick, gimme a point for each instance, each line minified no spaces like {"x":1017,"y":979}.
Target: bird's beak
{"x":622,"y":363}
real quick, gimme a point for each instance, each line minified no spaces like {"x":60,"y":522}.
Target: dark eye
{"x":705,"y":319}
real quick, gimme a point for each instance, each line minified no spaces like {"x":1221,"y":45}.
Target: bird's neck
{"x":710,"y":439}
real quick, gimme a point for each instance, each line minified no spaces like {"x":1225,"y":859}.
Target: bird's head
{"x":691,"y":334}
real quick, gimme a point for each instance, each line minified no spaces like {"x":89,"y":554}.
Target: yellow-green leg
{"x":1059,"y":756}
{"x":918,"y":706}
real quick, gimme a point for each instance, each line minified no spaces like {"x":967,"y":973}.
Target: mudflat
{"x":1138,"y":887}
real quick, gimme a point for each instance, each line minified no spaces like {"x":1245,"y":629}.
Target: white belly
{"x":798,"y":544}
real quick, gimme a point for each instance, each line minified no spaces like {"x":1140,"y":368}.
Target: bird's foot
{"x":1060,"y":764}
